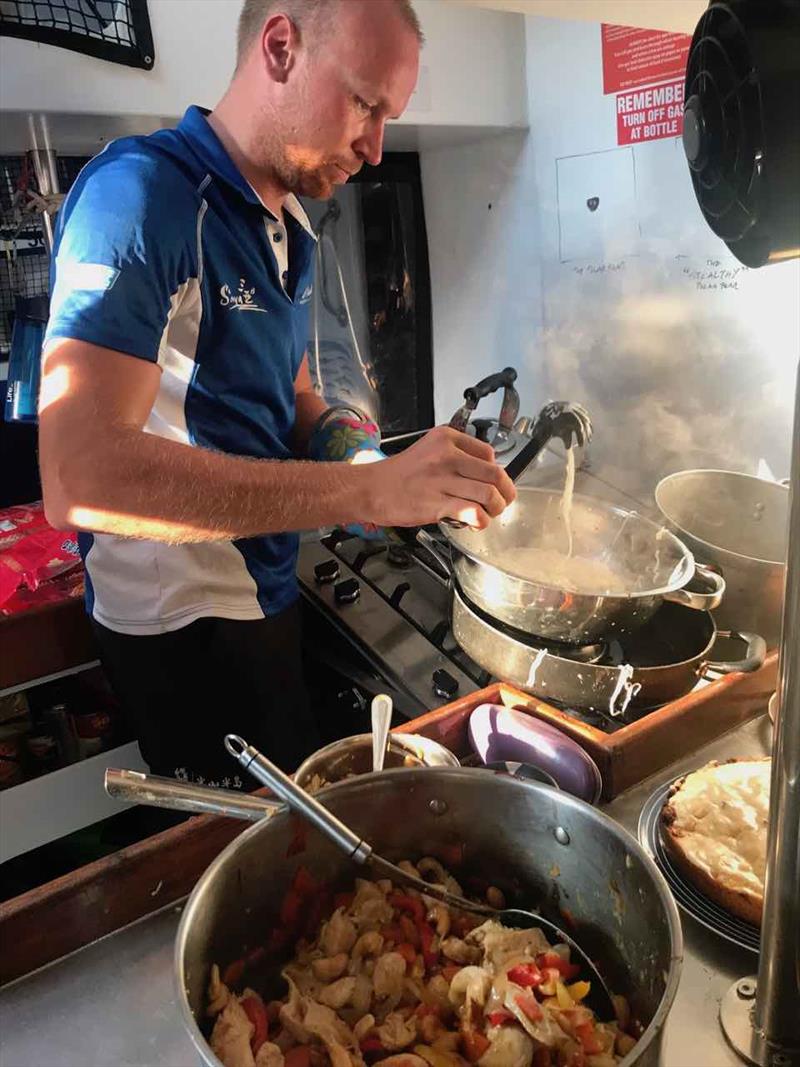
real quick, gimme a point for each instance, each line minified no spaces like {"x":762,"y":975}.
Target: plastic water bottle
{"x":24,"y":362}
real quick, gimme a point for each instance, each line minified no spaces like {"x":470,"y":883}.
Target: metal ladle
{"x":598,"y":999}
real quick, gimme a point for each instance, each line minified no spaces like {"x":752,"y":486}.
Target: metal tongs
{"x":558,"y":418}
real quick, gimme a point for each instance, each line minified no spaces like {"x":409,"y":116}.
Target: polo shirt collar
{"x":196,"y":128}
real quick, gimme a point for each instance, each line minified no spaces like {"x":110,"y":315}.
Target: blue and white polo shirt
{"x":165,"y":252}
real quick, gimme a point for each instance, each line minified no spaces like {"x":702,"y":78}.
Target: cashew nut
{"x":337,"y":994}
{"x":330,"y":968}
{"x":495,"y":897}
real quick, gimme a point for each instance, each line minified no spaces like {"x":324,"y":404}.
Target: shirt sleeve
{"x":126,"y":241}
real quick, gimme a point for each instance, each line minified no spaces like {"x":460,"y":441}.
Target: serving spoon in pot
{"x":248,"y":757}
{"x":381,"y":722}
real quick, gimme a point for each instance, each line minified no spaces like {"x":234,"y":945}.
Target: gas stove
{"x":392,"y":609}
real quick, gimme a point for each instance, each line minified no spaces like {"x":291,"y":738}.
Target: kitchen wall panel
{"x":683,"y":357}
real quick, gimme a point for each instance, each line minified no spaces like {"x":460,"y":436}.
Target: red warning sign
{"x":650,"y":114}
{"x":633,"y":57}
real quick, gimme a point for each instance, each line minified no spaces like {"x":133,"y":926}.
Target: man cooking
{"x":177,"y":404}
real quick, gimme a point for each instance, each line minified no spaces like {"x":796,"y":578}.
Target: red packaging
{"x":31,"y":551}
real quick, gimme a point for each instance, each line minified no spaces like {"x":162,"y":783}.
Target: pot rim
{"x":683,"y":571}
{"x":654,"y":1027}
{"x":404,"y":741}
{"x":678,"y":475}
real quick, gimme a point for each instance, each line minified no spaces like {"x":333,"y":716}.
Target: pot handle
{"x":701,"y":601}
{"x":431,"y":545}
{"x":138,"y":788}
{"x":754,"y":658}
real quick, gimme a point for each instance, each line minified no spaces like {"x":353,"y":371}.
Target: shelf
{"x":44,"y":641}
{"x":45,"y":809}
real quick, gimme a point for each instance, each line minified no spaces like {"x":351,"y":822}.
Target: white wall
{"x":472,"y":69}
{"x":604,"y":307}
{"x":678,"y":16}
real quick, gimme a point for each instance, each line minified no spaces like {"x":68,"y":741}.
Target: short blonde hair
{"x":304,"y":14}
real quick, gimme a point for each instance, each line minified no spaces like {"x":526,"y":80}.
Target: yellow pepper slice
{"x":579,"y":990}
{"x":563,"y":996}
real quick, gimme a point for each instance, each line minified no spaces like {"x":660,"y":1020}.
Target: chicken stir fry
{"x":395,"y":978}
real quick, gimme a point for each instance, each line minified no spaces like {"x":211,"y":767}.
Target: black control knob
{"x":327,"y":572}
{"x":444,"y":684}
{"x":347,"y":592}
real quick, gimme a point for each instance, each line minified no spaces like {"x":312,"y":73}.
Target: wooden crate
{"x":633,"y":752}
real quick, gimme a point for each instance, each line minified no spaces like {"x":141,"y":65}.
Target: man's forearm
{"x":139,"y":485}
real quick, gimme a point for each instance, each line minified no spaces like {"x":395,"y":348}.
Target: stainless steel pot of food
{"x":547,"y":844}
{"x":739,"y":525}
{"x":622,"y":567}
{"x":351,"y":756}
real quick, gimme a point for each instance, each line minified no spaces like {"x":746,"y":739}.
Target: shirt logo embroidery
{"x":241,"y":300}
{"x":306,"y":295}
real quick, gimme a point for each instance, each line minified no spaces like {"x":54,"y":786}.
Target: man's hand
{"x":445,"y":475}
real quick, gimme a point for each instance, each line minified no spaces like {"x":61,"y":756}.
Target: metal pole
{"x":777,"y":1011}
{"x":44,"y":165}
{"x":762,"y":1020}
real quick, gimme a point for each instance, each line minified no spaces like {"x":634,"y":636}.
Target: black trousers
{"x":183,"y":691}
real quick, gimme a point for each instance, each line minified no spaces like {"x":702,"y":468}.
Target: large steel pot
{"x":739,"y":525}
{"x":661,"y":661}
{"x":512,"y":831}
{"x":650,"y":565}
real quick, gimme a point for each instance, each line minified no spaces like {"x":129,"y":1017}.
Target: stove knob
{"x":444,"y":685}
{"x":347,"y":592}
{"x":327,"y":572}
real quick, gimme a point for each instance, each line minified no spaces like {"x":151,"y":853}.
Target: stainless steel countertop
{"x":112,"y":1004}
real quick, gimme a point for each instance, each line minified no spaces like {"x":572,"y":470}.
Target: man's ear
{"x":279,"y":42}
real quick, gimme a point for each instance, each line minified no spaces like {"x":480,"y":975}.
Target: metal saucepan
{"x":661,"y":661}
{"x":648,"y":563}
{"x":353,"y":756}
{"x":536,"y":843}
{"x":739,"y":525}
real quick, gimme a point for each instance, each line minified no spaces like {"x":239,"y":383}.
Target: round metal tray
{"x":689,"y":899}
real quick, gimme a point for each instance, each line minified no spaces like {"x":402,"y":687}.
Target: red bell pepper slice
{"x":414,"y":907}
{"x":233,"y":973}
{"x":304,"y":882}
{"x":500,"y":1018}
{"x":291,"y":906}
{"x":407,"y":951}
{"x":475,"y":1044}
{"x":526,"y":975}
{"x":371,"y":1044}
{"x":426,"y":936}
{"x":566,"y":969}
{"x":529,"y":1006}
{"x":257,"y":1014}
{"x":587,"y":1035}
{"x":297,"y":1057}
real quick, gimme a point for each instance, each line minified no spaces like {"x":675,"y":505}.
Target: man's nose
{"x":370,"y":144}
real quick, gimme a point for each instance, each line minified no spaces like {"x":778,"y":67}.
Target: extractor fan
{"x":742,"y":126}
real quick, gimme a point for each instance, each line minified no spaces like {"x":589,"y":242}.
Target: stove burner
{"x":399,"y":556}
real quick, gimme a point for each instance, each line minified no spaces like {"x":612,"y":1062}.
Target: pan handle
{"x":755,"y":654}
{"x":715,"y":584}
{"x":138,"y":788}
